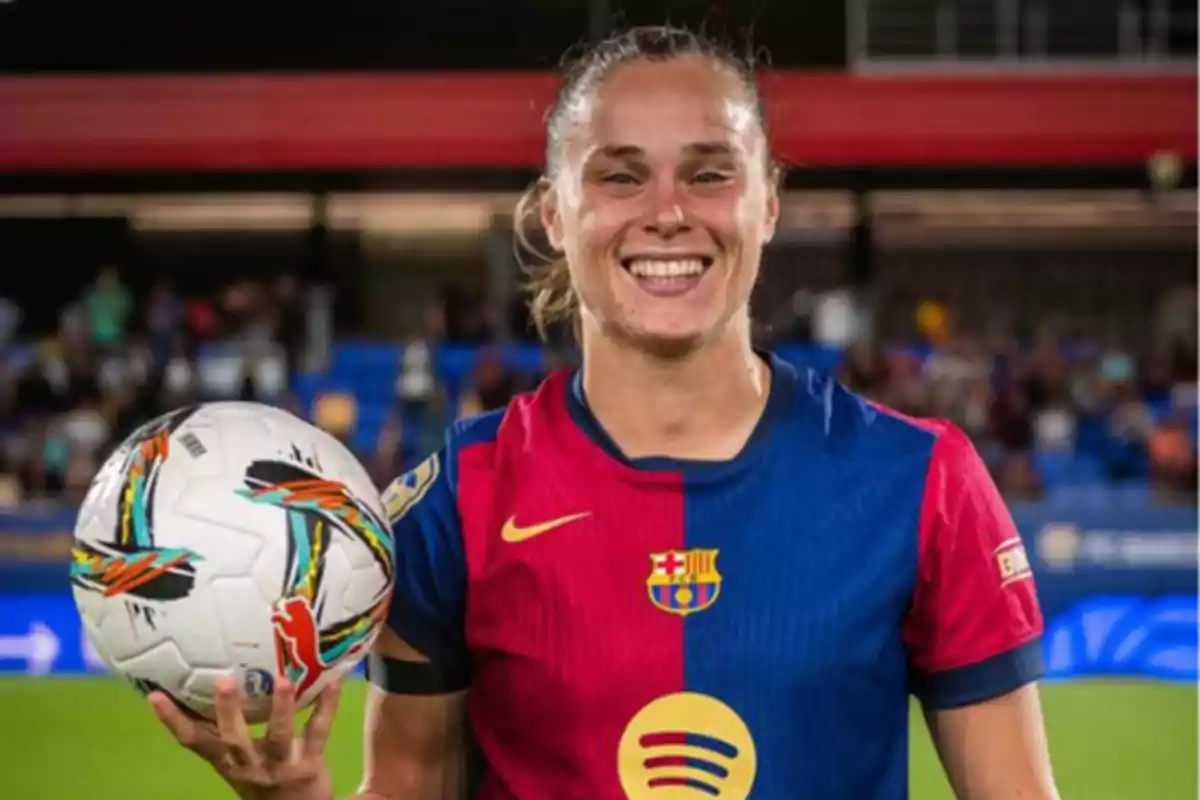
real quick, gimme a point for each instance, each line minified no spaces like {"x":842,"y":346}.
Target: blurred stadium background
{"x":990,"y":216}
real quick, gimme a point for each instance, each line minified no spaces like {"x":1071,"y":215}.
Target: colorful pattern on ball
{"x":317,"y":508}
{"x":132,"y":565}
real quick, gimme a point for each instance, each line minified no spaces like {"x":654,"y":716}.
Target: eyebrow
{"x":709,"y":149}
{"x":623,"y":151}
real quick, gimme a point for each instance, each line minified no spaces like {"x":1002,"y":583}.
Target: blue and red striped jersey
{"x":655,"y":628}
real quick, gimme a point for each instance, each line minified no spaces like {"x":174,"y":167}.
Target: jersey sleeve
{"x":974,"y":629}
{"x":428,"y":601}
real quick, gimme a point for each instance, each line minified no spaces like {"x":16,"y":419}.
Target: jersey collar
{"x":780,"y":399}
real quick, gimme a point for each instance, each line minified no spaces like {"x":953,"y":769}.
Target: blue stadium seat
{"x":528,"y":359}
{"x":1089,"y":469}
{"x":1090,"y":437}
{"x":1056,"y":468}
{"x":1160,"y":408}
{"x":359,"y":357}
{"x":371,"y":418}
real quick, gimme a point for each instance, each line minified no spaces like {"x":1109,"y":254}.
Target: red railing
{"x":495,"y":121}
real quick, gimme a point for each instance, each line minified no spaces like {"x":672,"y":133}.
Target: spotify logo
{"x":686,"y":745}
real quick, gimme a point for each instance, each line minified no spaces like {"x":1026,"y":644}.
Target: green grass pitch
{"x":94,"y":738}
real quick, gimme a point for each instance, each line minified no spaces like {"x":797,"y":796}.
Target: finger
{"x":188,"y":732}
{"x":185,"y":730}
{"x":280,"y":728}
{"x":316,"y":733}
{"x":231,"y":723}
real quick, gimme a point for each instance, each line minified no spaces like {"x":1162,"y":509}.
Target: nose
{"x":667,"y":217}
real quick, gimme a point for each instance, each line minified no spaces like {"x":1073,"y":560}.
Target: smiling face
{"x":662,"y":201}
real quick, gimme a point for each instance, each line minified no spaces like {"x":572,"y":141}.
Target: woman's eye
{"x":710,"y":177}
{"x":623,"y":178}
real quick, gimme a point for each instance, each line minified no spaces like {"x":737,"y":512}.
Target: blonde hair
{"x":552,"y":298}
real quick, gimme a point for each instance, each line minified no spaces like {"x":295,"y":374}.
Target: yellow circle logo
{"x":686,"y":746}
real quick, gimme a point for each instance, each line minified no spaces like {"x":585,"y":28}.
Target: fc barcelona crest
{"x":684,"y":581}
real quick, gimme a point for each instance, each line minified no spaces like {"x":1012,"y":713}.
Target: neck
{"x":700,"y":406}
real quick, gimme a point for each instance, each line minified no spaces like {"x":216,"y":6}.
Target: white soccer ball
{"x":232,"y":539}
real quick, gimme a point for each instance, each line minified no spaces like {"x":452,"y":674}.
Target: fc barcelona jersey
{"x":656,"y":628}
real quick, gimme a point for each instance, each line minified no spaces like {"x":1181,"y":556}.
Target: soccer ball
{"x":231,"y":539}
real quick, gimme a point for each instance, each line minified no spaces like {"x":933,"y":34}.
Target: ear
{"x":548,"y":211}
{"x":771,"y":215}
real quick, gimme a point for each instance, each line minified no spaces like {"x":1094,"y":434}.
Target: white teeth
{"x":659,"y":268}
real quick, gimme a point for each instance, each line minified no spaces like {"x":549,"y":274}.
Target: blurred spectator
{"x":1129,"y":431}
{"x":336,"y":413}
{"x":949,"y":373}
{"x":77,"y":475}
{"x":1017,"y":478}
{"x":1054,"y":429}
{"x":492,"y":385}
{"x":201,"y":316}
{"x":108,"y":305}
{"x":420,"y":404}
{"x":972,"y":416}
{"x":1087,"y":390}
{"x":1046,"y":379}
{"x":933,"y":323}
{"x":179,"y":378}
{"x":864,"y":370}
{"x":906,"y":390}
{"x":416,"y":384}
{"x":1012,"y":426}
{"x":1172,"y":456}
{"x":387,"y":460}
{"x":84,"y":427}
{"x":835,"y":318}
{"x":164,"y":320}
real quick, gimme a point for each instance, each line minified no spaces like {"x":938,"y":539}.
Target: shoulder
{"x":474,"y":440}
{"x":934,"y":455}
{"x":845,"y":418}
{"x":475,"y":430}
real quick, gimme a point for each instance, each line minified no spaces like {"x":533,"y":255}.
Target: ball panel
{"x":162,"y":668}
{"x":127,"y":629}
{"x":227,"y":531}
{"x":364,"y":588}
{"x":244,"y":622}
{"x":95,"y":641}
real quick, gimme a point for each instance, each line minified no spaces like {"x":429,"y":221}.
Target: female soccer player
{"x":686,"y":569}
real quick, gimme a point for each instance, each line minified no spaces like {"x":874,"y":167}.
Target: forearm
{"x":996,"y":748}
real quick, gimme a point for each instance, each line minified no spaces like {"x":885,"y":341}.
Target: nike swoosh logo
{"x":512,"y":532}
